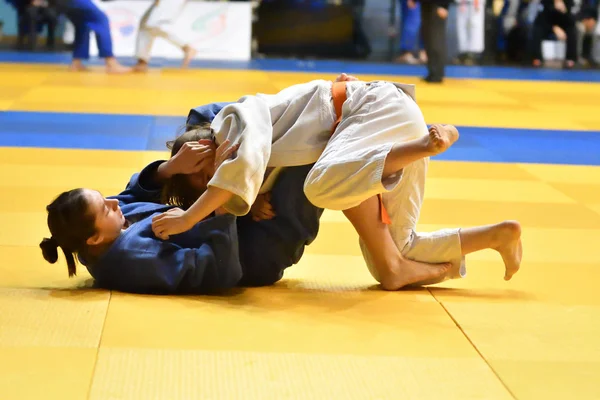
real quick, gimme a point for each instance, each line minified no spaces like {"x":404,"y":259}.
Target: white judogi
{"x":158,"y":21}
{"x":293,"y":128}
{"x":470,"y":26}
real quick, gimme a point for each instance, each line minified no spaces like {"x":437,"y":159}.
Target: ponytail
{"x":50,"y":252}
{"x":70,"y":225}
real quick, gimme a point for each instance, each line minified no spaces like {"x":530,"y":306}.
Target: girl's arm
{"x":176,"y":220}
{"x":246,"y":124}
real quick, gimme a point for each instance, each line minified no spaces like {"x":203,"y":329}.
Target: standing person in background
{"x":410,"y":39}
{"x":587,"y":21}
{"x":470,"y":29}
{"x":556,"y":17}
{"x":158,"y":21}
{"x":434,"y":14}
{"x":87,"y":18}
{"x":32,"y":15}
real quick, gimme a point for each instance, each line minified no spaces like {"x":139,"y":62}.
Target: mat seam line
{"x":89,"y":393}
{"x":473,"y":344}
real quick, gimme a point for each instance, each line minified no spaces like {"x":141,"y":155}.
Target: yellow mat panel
{"x":24,"y":267}
{"x":289,"y":317}
{"x":177,"y":374}
{"x":52,"y":318}
{"x":32,"y":373}
{"x":540,"y":351}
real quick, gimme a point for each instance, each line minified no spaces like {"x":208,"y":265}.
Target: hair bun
{"x":49,"y":250}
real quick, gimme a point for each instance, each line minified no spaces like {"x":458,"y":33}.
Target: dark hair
{"x":177,"y":191}
{"x":70,"y":225}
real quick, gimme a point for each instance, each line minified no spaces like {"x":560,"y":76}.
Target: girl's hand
{"x":192,"y":157}
{"x":224,"y":152}
{"x":262,"y":208}
{"x":170,"y":223}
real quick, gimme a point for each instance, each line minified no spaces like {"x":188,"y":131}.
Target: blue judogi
{"x":87,"y":18}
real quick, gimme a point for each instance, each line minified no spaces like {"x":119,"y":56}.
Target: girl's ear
{"x":94,"y":240}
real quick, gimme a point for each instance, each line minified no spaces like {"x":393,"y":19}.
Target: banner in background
{"x":218,"y":30}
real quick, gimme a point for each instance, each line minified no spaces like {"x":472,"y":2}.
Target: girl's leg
{"x":409,"y":32}
{"x":162,"y":24}
{"x":144,"y":42}
{"x":98,"y":22}
{"x":143,"y":47}
{"x":440,"y":138}
{"x":504,"y":237}
{"x":81,"y":47}
{"x":381,"y":133}
{"x":393,"y":270}
{"x":166,"y":31}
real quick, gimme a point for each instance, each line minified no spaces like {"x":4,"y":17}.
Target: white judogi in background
{"x":470,"y":19}
{"x":293,"y":128}
{"x":158,"y":21}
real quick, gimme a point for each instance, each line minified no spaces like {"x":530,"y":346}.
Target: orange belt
{"x":338,"y":91}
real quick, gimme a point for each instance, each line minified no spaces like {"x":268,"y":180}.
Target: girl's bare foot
{"x":141,"y":66}
{"x":113,"y":66}
{"x":408,"y":272}
{"x":510,"y":247}
{"x":77,"y":66}
{"x":440,"y":138}
{"x":407,"y":58}
{"x":188,"y":56}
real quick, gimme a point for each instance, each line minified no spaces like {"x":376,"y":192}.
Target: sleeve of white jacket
{"x":248,"y":123}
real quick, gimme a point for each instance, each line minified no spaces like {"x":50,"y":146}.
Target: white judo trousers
{"x":349,"y":171}
{"x":159,"y":21}
{"x":470,"y":26}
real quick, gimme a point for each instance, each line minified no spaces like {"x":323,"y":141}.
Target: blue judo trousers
{"x":87,"y":18}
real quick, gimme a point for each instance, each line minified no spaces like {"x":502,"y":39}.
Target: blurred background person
{"x":434,"y":15}
{"x":32,"y":16}
{"x":586,"y":26}
{"x":159,"y":21}
{"x":555,"y":18}
{"x":411,"y":40}
{"x":470,"y":30}
{"x":87,"y":18}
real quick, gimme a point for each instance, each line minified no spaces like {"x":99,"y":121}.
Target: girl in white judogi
{"x":470,"y":19}
{"x":381,"y":146}
{"x":158,"y":21}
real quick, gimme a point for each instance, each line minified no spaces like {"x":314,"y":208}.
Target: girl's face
{"x":109,"y":219}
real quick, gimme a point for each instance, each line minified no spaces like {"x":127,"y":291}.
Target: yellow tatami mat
{"x":325,"y":332}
